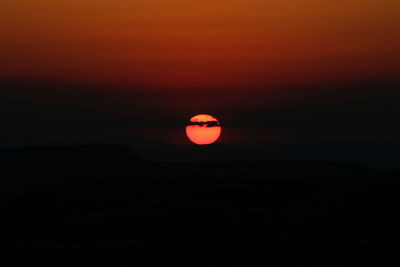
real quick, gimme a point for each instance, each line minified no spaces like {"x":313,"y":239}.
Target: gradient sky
{"x":278,"y":69}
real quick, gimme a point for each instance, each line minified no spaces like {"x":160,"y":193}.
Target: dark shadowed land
{"x":112,"y":205}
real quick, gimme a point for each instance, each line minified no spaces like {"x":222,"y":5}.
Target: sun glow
{"x":203,"y":129}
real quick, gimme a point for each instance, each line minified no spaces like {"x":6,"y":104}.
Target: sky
{"x":267,"y":69}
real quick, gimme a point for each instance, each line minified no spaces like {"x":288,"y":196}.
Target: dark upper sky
{"x":269,"y":70}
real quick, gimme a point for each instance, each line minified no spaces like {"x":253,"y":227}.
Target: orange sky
{"x":193,"y":44}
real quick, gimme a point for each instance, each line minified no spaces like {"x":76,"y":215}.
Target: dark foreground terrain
{"x":105,"y":206}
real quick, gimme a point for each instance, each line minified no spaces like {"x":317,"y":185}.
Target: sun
{"x":203,"y":129}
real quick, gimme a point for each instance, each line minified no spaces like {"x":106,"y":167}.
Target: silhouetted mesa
{"x":67,"y":160}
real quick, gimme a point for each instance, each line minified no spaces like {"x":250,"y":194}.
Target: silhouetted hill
{"x":30,"y":167}
{"x":101,"y":205}
{"x":26,"y":168}
{"x":385,"y":155}
{"x":347,"y":151}
{"x":195,"y":220}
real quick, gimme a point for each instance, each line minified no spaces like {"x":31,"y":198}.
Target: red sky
{"x":194,"y":44}
{"x":231,"y":58}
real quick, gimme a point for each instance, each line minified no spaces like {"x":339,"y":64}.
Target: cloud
{"x":205,"y":123}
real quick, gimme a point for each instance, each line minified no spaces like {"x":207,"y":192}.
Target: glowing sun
{"x":203,"y":129}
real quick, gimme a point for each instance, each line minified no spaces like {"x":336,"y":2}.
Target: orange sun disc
{"x":203,"y":129}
